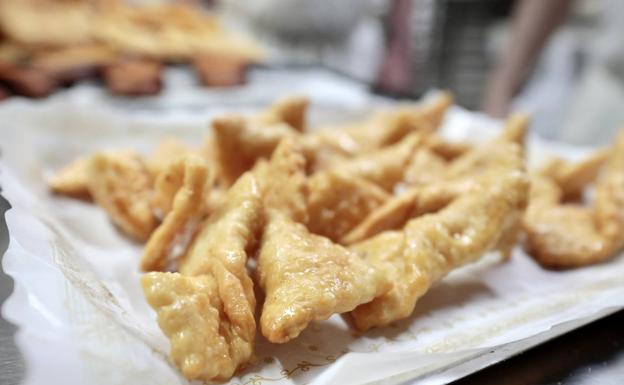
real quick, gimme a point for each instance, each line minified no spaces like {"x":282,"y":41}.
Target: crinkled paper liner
{"x":83,"y":320}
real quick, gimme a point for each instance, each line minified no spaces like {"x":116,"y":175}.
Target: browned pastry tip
{"x":71,"y":64}
{"x":133,"y":77}
{"x":219,"y":70}
{"x":26,"y":81}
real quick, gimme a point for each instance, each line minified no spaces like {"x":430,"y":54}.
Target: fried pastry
{"x":572,"y":235}
{"x":26,"y":81}
{"x":384,"y":128}
{"x":412,"y":203}
{"x":70,"y":64}
{"x":561,"y":236}
{"x":430,"y":246}
{"x":327,"y":147}
{"x":571,"y":177}
{"x":72,"y":180}
{"x":384,"y":167}
{"x":609,"y":200}
{"x":170,"y":32}
{"x":515,"y":129}
{"x":220,"y":70}
{"x":168,"y":150}
{"x":231,"y":230}
{"x":185,"y":209}
{"x":445,"y":149}
{"x":337,"y":203}
{"x":14,"y":53}
{"x":291,"y":110}
{"x":240,"y":142}
{"x":47,"y":22}
{"x":307,"y":278}
{"x":389,"y":127}
{"x":283,"y":181}
{"x":489,"y":154}
{"x":120,"y":184}
{"x":207,"y":310}
{"x":133,"y":77}
{"x":424,"y":167}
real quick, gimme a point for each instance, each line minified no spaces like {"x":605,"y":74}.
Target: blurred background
{"x":560,"y":60}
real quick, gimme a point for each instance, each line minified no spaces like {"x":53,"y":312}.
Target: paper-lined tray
{"x":83,"y":318}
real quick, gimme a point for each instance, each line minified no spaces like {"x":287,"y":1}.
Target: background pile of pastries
{"x":47,"y":44}
{"x":358,"y":219}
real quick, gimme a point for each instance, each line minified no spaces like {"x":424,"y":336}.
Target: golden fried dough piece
{"x":240,"y":142}
{"x":229,"y":232}
{"x":570,"y":235}
{"x":307,"y":278}
{"x":166,"y":165}
{"x":120,"y":183}
{"x":13,"y":52}
{"x":291,"y":110}
{"x":490,"y":154}
{"x":559,"y":235}
{"x":133,"y":77}
{"x":26,"y":81}
{"x":329,"y":142}
{"x":391,"y":126}
{"x":207,"y":310}
{"x":210,"y":327}
{"x":168,"y":150}
{"x":220,"y":70}
{"x":47,"y":22}
{"x":166,"y":186}
{"x":72,"y":179}
{"x":410,"y":204}
{"x":515,"y":129}
{"x":337,"y":203}
{"x":445,"y":149}
{"x":284,"y":182}
{"x":425,"y":167}
{"x":609,"y":200}
{"x":170,"y":32}
{"x":430,"y":246}
{"x":383,"y":128}
{"x":188,"y":206}
{"x":326,"y":147}
{"x":323,"y":151}
{"x":384,"y":167}
{"x":68,"y":65}
{"x":572,"y":178}
{"x":566,"y":237}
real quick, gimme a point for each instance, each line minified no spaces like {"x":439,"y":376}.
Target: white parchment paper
{"x":83,"y":319}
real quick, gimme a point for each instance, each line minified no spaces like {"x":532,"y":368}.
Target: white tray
{"x":82,"y":316}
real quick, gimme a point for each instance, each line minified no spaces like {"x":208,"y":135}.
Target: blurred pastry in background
{"x":51,"y":43}
{"x":73,"y":63}
{"x":25,"y":81}
{"x":133,"y":77}
{"x":47,"y":22}
{"x":169,"y":32}
{"x":220,"y":70}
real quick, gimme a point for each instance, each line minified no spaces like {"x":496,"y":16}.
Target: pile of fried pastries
{"x":49,"y":44}
{"x":361,"y":218}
